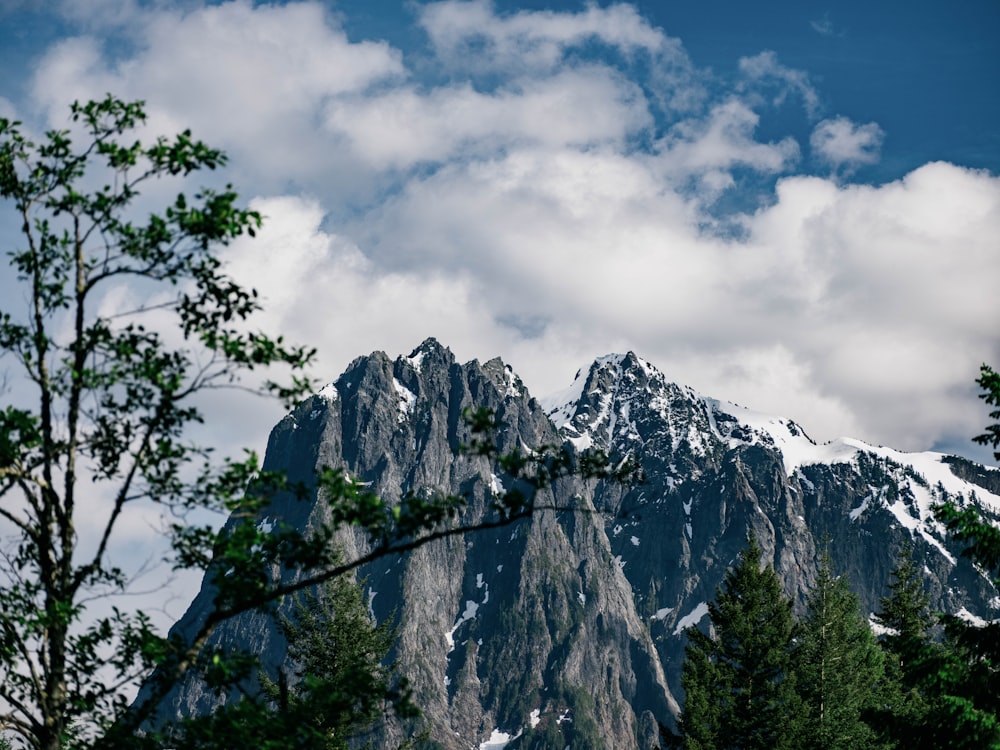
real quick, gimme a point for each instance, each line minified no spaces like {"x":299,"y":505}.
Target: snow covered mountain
{"x":567,"y":629}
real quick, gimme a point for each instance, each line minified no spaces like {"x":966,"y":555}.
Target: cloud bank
{"x":551,"y":186}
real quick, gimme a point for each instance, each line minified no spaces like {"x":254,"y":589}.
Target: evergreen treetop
{"x":838,"y":666}
{"x":737,"y":680}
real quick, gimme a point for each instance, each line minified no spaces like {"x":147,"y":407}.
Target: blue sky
{"x":792,"y":205}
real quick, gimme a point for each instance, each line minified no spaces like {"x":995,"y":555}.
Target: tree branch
{"x":188,"y":657}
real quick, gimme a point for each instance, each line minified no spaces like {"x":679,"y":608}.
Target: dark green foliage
{"x":907,"y":619}
{"x":838,"y":667}
{"x":938,"y":693}
{"x":341,"y":684}
{"x":905,"y":611}
{"x":338,"y":685}
{"x":738,"y":684}
{"x":961,"y":677}
{"x":966,"y":525}
{"x":989,"y":381}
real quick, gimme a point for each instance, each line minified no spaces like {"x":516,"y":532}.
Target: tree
{"x":963,"y":677}
{"x":339,"y":686}
{"x":114,"y":392}
{"x":739,"y":690}
{"x":838,"y":666}
{"x":967,"y":524}
{"x":112,"y":399}
{"x":905,"y":615}
{"x":940,"y":693}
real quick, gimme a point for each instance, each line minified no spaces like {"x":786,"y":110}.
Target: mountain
{"x":566,"y":628}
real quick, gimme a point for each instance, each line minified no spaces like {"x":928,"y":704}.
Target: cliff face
{"x":567,"y":628}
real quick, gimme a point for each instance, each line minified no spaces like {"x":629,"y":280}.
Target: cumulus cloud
{"x":319,"y":286}
{"x":474,"y":38}
{"x":844,"y":145}
{"x":406,"y":126}
{"x":538,"y":200}
{"x":712,"y":146}
{"x":887,"y":294}
{"x":254,"y":80}
{"x":874,"y":296}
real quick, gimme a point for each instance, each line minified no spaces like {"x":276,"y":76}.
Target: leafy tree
{"x":838,"y":666}
{"x":103,"y":430}
{"x":112,"y":400}
{"x":738,"y":684}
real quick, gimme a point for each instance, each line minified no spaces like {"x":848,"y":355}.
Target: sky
{"x":794,"y":206}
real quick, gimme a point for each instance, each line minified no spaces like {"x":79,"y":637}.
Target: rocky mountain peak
{"x":567,"y":629}
{"x":624,"y":404}
{"x":433,"y":352}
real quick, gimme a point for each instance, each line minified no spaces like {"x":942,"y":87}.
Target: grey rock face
{"x":567,"y":629}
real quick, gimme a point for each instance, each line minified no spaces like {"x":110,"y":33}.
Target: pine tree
{"x":738,"y":682}
{"x":341,"y":685}
{"x":905,"y":613}
{"x":906,"y":617}
{"x":941,"y":693}
{"x":339,"y":688}
{"x":839,"y":667}
{"x":962,"y":676}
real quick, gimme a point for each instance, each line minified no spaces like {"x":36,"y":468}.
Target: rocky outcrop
{"x":567,"y":629}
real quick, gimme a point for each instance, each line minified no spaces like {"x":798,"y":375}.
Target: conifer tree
{"x":342,"y":684}
{"x":961,"y":677}
{"x":839,"y":667}
{"x":338,"y":687}
{"x":905,"y":613}
{"x":941,"y":693}
{"x":907,"y":620}
{"x":738,"y":682}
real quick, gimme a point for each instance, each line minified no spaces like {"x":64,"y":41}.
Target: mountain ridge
{"x":509,"y":634}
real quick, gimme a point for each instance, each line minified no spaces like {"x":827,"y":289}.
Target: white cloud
{"x":722,"y":141}
{"x":100,"y":14}
{"x":472,"y":34}
{"x":764,"y":69}
{"x":471,"y":37}
{"x":319,"y":287}
{"x":870,"y":300}
{"x":534,"y":202}
{"x":889,"y":294}
{"x":774,"y":380}
{"x":254,"y":80}
{"x":406,"y":126}
{"x":843,"y":144}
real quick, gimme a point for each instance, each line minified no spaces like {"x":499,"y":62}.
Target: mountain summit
{"x":569,"y":626}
